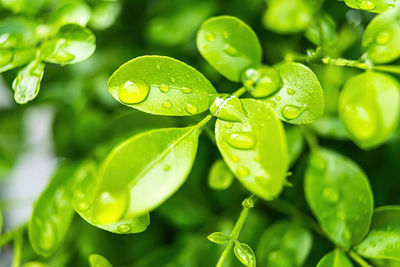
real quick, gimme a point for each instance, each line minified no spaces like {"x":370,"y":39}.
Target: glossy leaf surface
{"x":220,"y":176}
{"x":161,"y":85}
{"x":14,"y":57}
{"x":229,"y":45}
{"x":339,"y":195}
{"x":383,"y":239}
{"x":96,"y":260}
{"x":282,"y":239}
{"x":300,"y":99}
{"x":376,"y":6}
{"x":368,"y":107}
{"x":335,"y":258}
{"x":255,"y":149}
{"x":244,"y":254}
{"x":218,"y":238}
{"x":27,"y":83}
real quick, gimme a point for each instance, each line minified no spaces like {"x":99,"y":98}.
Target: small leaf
{"x":339,"y":195}
{"x":161,"y":85}
{"x":96,"y":260}
{"x":34,"y":264}
{"x":104,"y":14}
{"x":220,"y":177}
{"x":27,"y":83}
{"x":381,"y":39}
{"x":376,"y":6}
{"x":53,"y":212}
{"x":255,"y":149}
{"x":245,"y":254}
{"x":368,"y":107}
{"x":335,"y":258}
{"x":14,"y":57}
{"x":383,"y":239}
{"x":300,"y":100}
{"x":229,"y":45}
{"x":218,"y":238}
{"x":17,"y":33}
{"x":71,"y":12}
{"x":71,"y":44}
{"x":281,"y":239}
{"x":322,"y":31}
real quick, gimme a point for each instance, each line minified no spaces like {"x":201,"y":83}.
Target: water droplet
{"x":235,"y":158}
{"x":291,"y":91}
{"x":82,"y":206}
{"x":190,"y":108}
{"x":243,"y":171}
{"x":262,"y":180}
{"x":124,"y":228}
{"x":231,"y":51}
{"x":110,"y":206}
{"x":167,"y":167}
{"x":330,"y":194}
{"x":166,"y":104}
{"x":278,"y":98}
{"x":225,"y":35}
{"x":164,"y":88}
{"x":367,"y":5}
{"x":271,"y":103}
{"x":47,"y":237}
{"x":383,"y":37}
{"x":158,"y":67}
{"x":133,"y":93}
{"x":179,"y":110}
{"x":186,"y":90}
{"x":210,"y":36}
{"x":241,"y":140}
{"x":173,"y":79}
{"x":228,"y":125}
{"x":290,"y":112}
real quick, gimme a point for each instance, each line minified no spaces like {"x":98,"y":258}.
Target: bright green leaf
{"x":71,"y":44}
{"x":104,"y":14}
{"x":383,"y":239}
{"x":220,"y":177}
{"x":229,"y":45}
{"x":71,"y":12}
{"x":322,"y":31}
{"x":295,"y":142}
{"x":300,"y":100}
{"x":14,"y":57}
{"x":282,"y":239}
{"x":27,"y":83}
{"x":161,"y":85}
{"x":330,"y":127}
{"x":218,"y":238}
{"x":35,"y":264}
{"x":369,"y":108}
{"x":335,"y":258}
{"x":53,"y":212}
{"x":17,"y":32}
{"x":96,"y":260}
{"x":376,"y":6}
{"x":244,"y":254}
{"x":339,"y":195}
{"x":255,"y":149}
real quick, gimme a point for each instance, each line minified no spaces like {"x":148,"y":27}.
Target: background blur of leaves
{"x":85,"y":121}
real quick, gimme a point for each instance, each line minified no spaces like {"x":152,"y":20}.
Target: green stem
{"x":358,"y":259}
{"x":345,"y":62}
{"x":235,"y":233}
{"x":204,"y":121}
{"x":17,"y":250}
{"x":11,"y":235}
{"x":310,"y":137}
{"x":240,"y":91}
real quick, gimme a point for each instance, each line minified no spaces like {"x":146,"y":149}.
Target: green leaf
{"x":104,"y":14}
{"x":368,"y":107}
{"x":229,"y":45}
{"x":17,"y":33}
{"x":53,"y":212}
{"x":339,"y":195}
{"x":295,"y":142}
{"x":381,"y":39}
{"x":161,"y":85}
{"x":335,"y":258}
{"x":244,"y":254}
{"x":330,"y":127}
{"x":27,"y":83}
{"x":139,"y":175}
{"x":376,"y":6}
{"x":220,"y":177}
{"x":96,"y":260}
{"x":14,"y":57}
{"x":322,"y":31}
{"x":34,"y":264}
{"x":282,"y":239}
{"x":383,"y":239}
{"x":288,"y":16}
{"x":255,"y":149}
{"x":71,"y":12}
{"x":300,"y":100}
{"x":87,"y":182}
{"x":71,"y":44}
{"x":218,"y":238}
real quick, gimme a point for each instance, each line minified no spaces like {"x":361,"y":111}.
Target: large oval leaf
{"x":340,"y":196}
{"x":229,"y":45}
{"x":335,"y":258}
{"x":381,"y":39}
{"x":369,"y":108}
{"x":283,"y":239}
{"x":300,"y":100}
{"x":255,"y":149}
{"x":377,"y":6}
{"x":161,"y":85}
{"x":53,"y":212}
{"x":383,"y":239}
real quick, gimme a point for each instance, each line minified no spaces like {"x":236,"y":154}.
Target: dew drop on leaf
{"x":291,"y":91}
{"x":133,"y":93}
{"x":290,"y":112}
{"x":186,"y":90}
{"x":231,"y":51}
{"x":109,"y":207}
{"x":158,"y":67}
{"x":210,"y":36}
{"x":124,"y":228}
{"x":190,"y":108}
{"x":166,"y":104}
{"x":164,"y":88}
{"x":167,"y":167}
{"x":47,"y":237}
{"x":82,"y":206}
{"x":330,"y":194}
{"x":367,"y":5}
{"x":228,"y":125}
{"x":243,"y":171}
{"x":241,"y":140}
{"x":383,"y":37}
{"x":235,"y":158}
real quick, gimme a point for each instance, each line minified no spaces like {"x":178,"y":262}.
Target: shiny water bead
{"x":243,"y":171}
{"x":235,"y":158}
{"x":166,"y":104}
{"x":241,"y":140}
{"x":210,"y":36}
{"x":291,"y":112}
{"x":330,"y":194}
{"x":167,"y":167}
{"x":109,"y":207}
{"x":164,"y":88}
{"x":124,"y":228}
{"x":383,"y":37}
{"x":367,"y":5}
{"x":191,"y":108}
{"x":133,"y":93}
{"x":158,"y":67}
{"x":228,"y":108}
{"x":47,"y":236}
{"x":261,"y":82}
{"x":186,"y":90}
{"x":230,"y":50}
{"x":83,"y":206}
{"x":290,"y":91}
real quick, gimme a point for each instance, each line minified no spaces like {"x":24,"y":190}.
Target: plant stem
{"x":17,"y":250}
{"x":345,"y":62}
{"x":310,"y":137}
{"x":203,"y":122}
{"x":235,"y":233}
{"x":11,"y":235}
{"x":358,"y":259}
{"x":240,"y":91}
